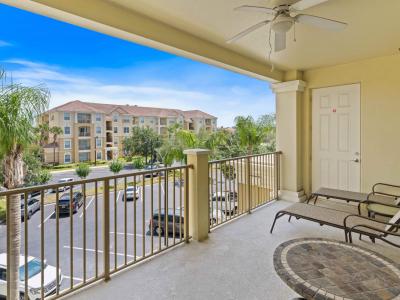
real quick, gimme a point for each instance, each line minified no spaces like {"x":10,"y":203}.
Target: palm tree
{"x":250,"y":132}
{"x":56,"y":131}
{"x":19,"y":108}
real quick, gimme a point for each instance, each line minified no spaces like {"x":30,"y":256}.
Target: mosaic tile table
{"x":328,"y":269}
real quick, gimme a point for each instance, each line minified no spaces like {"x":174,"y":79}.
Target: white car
{"x":63,"y":188}
{"x":34,"y":277}
{"x":218,"y":216}
{"x":132,"y":193}
{"x":225,"y":201}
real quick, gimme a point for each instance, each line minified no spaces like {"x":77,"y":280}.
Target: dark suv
{"x":64,"y":202}
{"x":160,"y":215}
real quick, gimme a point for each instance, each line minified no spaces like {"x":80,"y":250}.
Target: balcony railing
{"x":88,"y":230}
{"x":238,"y":185}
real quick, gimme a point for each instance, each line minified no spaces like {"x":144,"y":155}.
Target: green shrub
{"x":116,"y":166}
{"x":138,"y":162}
{"x":82,"y":170}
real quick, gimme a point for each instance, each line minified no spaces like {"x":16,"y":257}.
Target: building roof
{"x":81,"y":106}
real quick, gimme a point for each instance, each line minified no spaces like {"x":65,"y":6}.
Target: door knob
{"x":356,"y":160}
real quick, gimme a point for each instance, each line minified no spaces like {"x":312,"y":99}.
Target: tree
{"x":116,"y":166}
{"x":82,"y":170}
{"x":250,"y":133}
{"x":19,"y":108}
{"x":34,"y":174}
{"x":56,"y":131}
{"x":143,"y":141}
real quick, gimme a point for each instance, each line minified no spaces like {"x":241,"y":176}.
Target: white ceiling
{"x":374,"y":28}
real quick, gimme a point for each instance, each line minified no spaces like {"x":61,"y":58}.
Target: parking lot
{"x":130,"y":236}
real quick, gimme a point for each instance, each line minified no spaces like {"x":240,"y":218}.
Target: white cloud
{"x":226,"y":103}
{"x":4,"y":44}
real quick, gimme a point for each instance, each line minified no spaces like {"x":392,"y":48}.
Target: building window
{"x":67,"y":116}
{"x":115,"y":129}
{"x":84,"y":144}
{"x":141,"y":120}
{"x":126,"y":120}
{"x":98,"y":117}
{"x":115,"y":141}
{"x":67,"y":158}
{"x":126,"y":129}
{"x":67,"y":130}
{"x":52,"y":117}
{"x":98,"y":155}
{"x":84,"y":118}
{"x":84,"y":156}
{"x":98,"y":130}
{"x":67,"y":144}
{"x":84,"y":131}
{"x":98,"y":143}
{"x":115,"y":118}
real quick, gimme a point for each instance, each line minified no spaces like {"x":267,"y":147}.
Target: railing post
{"x":198,"y":193}
{"x":277,"y":174}
{"x":248,"y":170}
{"x":106,"y":230}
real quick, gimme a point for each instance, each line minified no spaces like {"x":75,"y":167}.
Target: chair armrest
{"x":385,"y":232}
{"x":387,"y":185}
{"x":397,"y":226}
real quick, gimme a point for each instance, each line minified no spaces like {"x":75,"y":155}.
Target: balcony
{"x":84,"y":131}
{"x":235,"y":262}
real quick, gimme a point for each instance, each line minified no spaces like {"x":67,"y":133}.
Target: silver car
{"x":132,"y":193}
{"x":33,"y":206}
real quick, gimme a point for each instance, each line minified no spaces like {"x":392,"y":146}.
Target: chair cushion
{"x":394,"y":220}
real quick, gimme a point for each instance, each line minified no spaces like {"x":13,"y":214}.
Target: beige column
{"x":198,"y":193}
{"x":288,"y":137}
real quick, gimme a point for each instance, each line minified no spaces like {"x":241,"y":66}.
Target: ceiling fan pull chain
{"x":294,"y":32}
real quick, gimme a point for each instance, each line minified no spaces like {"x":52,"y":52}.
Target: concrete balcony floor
{"x":234,"y":263}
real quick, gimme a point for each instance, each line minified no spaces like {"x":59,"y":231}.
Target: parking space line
{"x":119,"y":194}
{"x":74,"y":278}
{"x":87,"y":205}
{"x":128,"y":233}
{"x":40,"y":225}
{"x":99,"y":251}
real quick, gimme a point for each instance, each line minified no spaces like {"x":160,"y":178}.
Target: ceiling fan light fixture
{"x":282,"y":25}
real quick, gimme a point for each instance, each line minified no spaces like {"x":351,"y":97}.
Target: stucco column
{"x":198,"y":193}
{"x":289,"y":96}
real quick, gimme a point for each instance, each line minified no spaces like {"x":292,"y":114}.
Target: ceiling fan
{"x":284,"y":17}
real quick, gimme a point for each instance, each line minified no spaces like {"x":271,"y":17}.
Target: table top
{"x":328,"y":269}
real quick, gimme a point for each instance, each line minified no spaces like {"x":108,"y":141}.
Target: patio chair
{"x":350,"y":223}
{"x":377,"y":202}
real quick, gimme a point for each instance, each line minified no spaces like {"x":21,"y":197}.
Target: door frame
{"x":311,"y":166}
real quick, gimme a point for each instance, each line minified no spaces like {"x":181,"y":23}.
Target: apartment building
{"x":95,"y":131}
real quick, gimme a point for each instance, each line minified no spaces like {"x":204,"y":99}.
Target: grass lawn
{"x":2,"y":209}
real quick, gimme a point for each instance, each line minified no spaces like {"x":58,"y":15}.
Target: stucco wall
{"x":380,"y":115}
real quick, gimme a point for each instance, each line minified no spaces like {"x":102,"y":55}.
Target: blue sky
{"x":75,"y":63}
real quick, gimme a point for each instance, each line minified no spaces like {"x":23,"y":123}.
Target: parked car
{"x":34,"y":276}
{"x":33,"y":194}
{"x":179,"y":182}
{"x":155,"y":173}
{"x":63,"y":188}
{"x":33,"y":206}
{"x":64,"y":202}
{"x":227,"y":201}
{"x":161,"y":215}
{"x":132,"y":193}
{"x":217,"y":215}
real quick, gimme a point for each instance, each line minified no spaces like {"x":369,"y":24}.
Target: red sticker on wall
{"x":334,"y":110}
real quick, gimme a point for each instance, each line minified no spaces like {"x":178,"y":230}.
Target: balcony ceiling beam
{"x":109,"y":18}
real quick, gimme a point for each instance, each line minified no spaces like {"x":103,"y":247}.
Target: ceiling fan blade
{"x":280,"y":41}
{"x":256,"y":9}
{"x":319,"y":22}
{"x":247,"y":31}
{"x":304,"y":4}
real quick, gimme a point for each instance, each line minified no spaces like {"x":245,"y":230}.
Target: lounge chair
{"x":350,"y":223}
{"x":376,"y":202}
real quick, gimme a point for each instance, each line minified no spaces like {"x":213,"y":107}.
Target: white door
{"x":336,"y":138}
